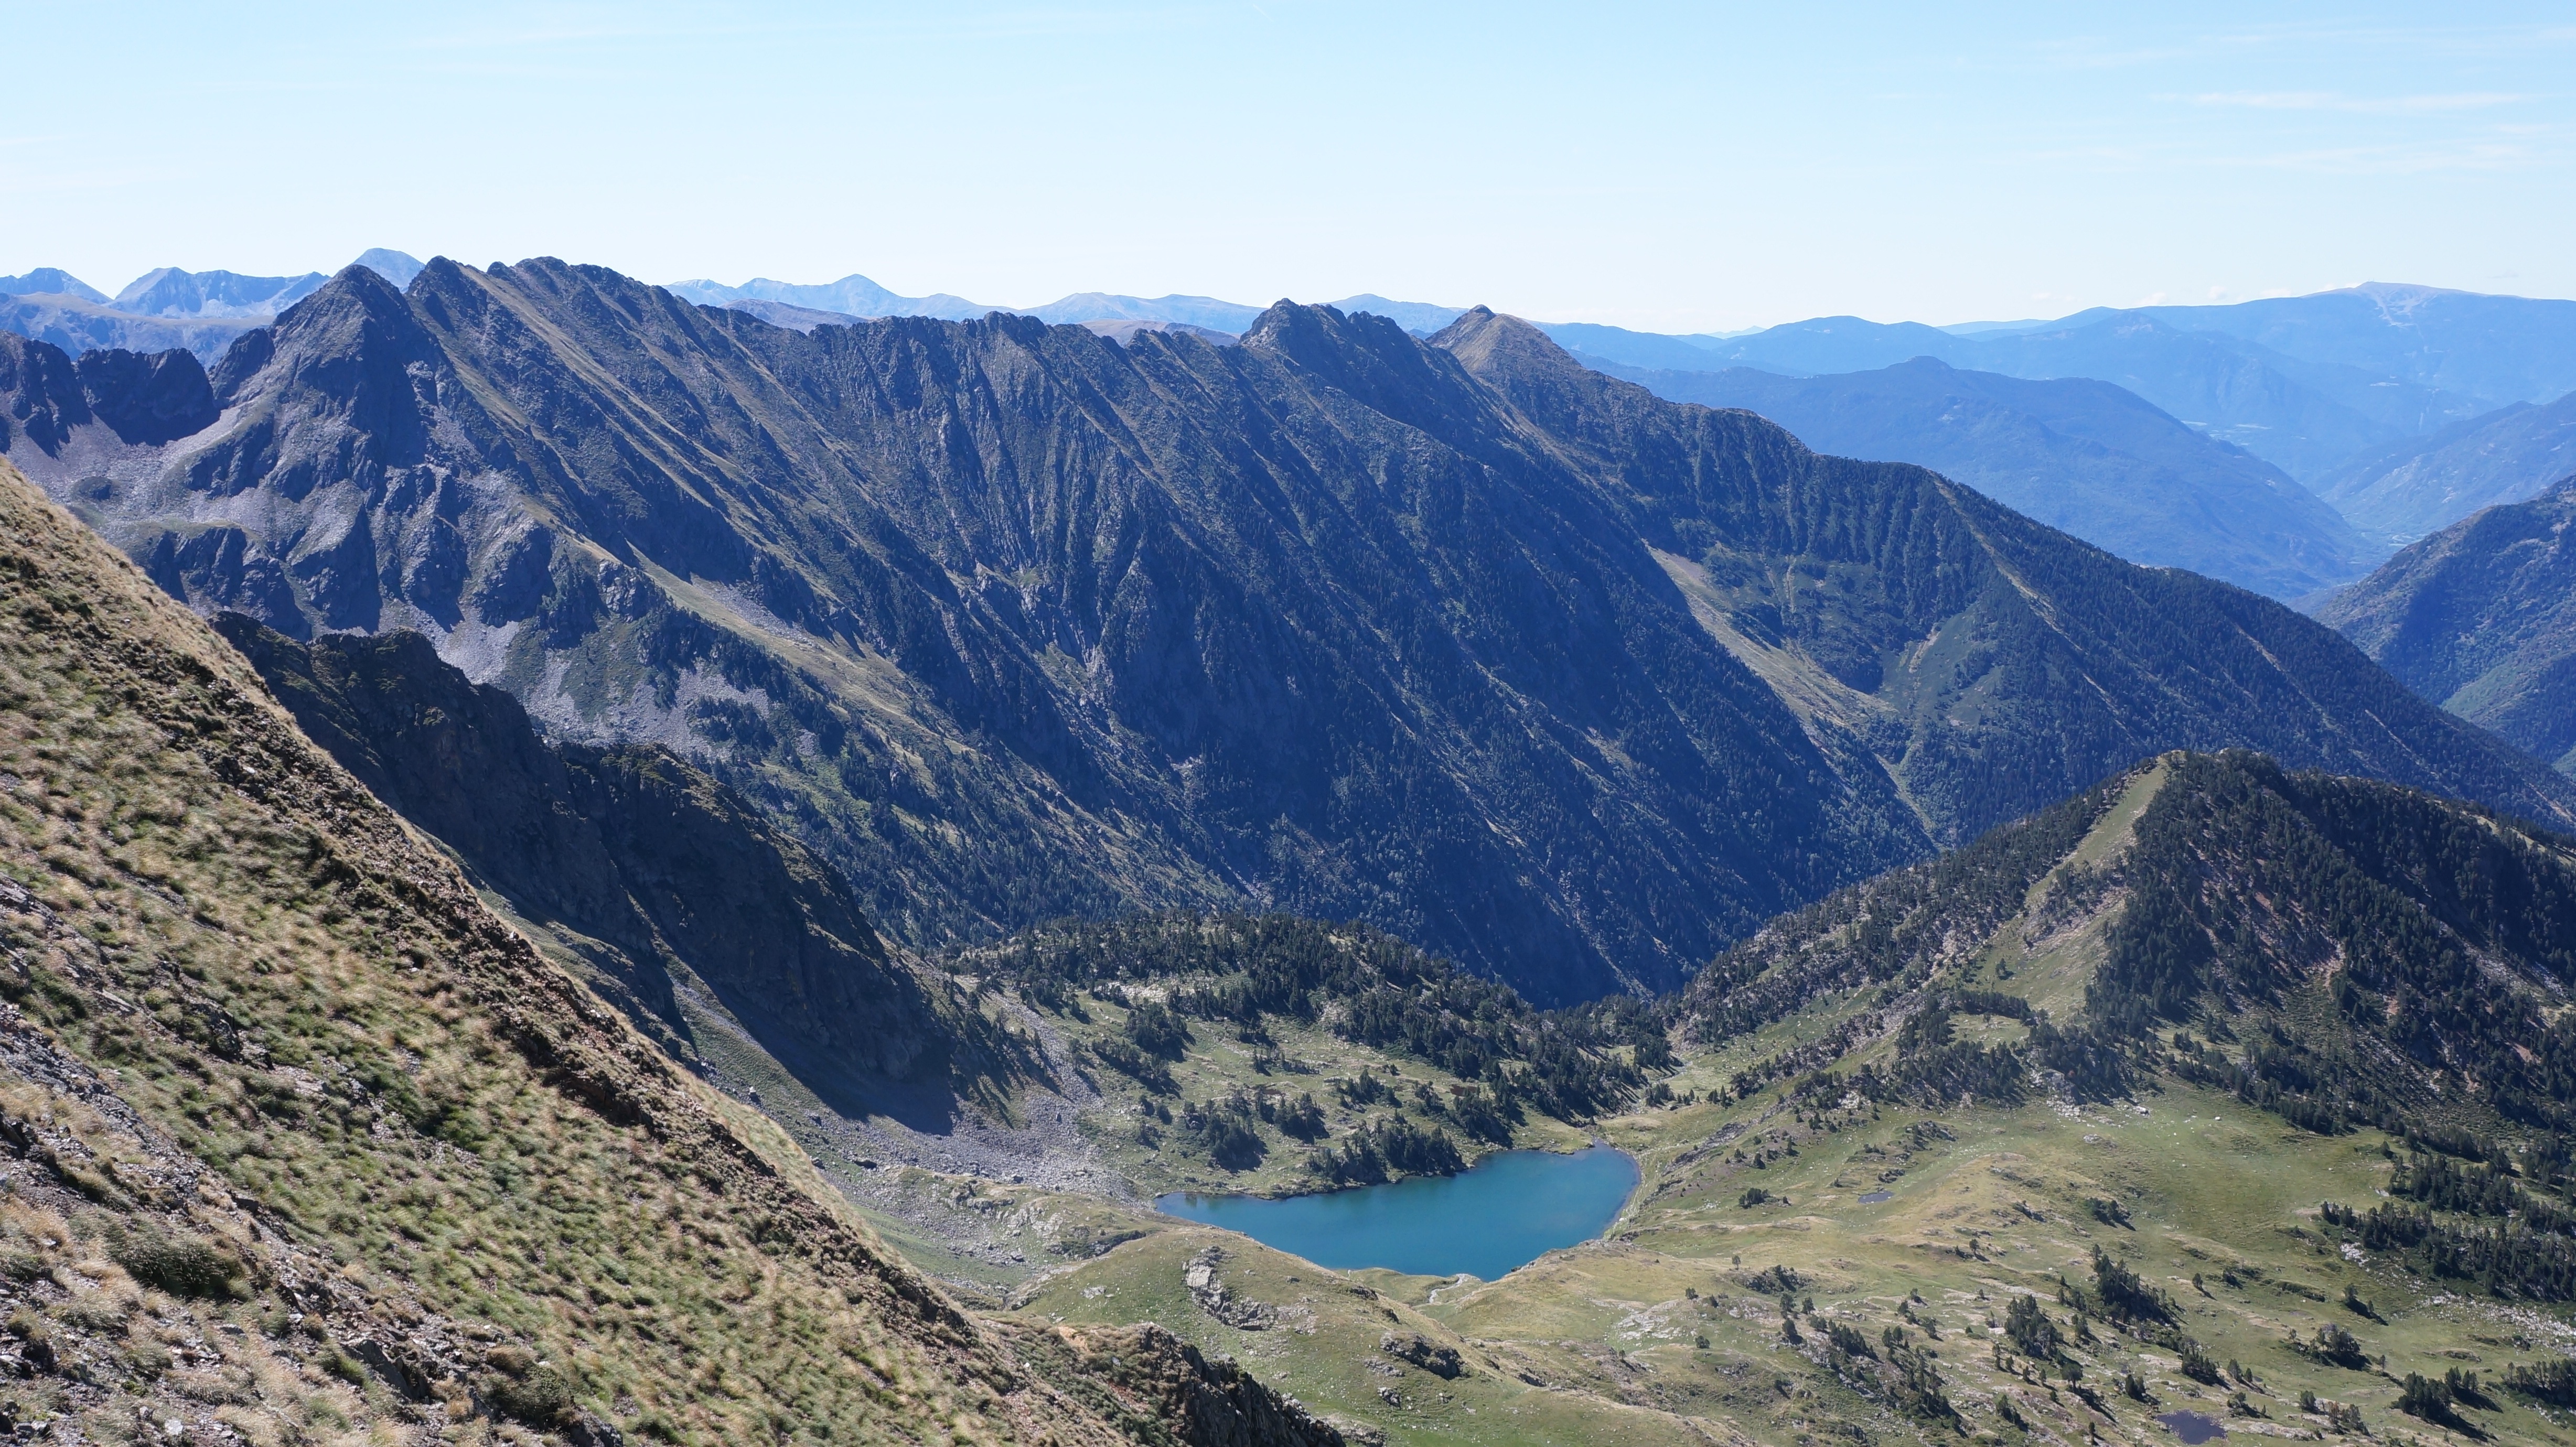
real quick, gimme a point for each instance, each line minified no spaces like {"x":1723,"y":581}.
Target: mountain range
{"x":446,"y":993}
{"x":1007,"y":621}
{"x":2085,"y":457}
{"x":201,"y":312}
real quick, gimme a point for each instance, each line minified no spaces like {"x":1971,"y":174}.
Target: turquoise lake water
{"x":1507,"y":1212}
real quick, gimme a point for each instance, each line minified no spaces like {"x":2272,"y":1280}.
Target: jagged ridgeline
{"x":2342,"y":953}
{"x":1011,"y":622}
{"x":301,"y":1140}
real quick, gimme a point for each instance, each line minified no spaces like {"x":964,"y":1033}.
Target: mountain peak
{"x":50,"y":281}
{"x":395,"y":266}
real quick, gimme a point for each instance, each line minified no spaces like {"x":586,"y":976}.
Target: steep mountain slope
{"x":287,"y":1105}
{"x":2407,"y":490}
{"x":1010,"y":621}
{"x":2481,"y":618}
{"x":694,"y":912}
{"x":2084,"y":457}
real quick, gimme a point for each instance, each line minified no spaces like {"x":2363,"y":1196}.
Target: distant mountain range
{"x":1008,"y":622}
{"x":2086,"y":457}
{"x":2481,"y":618}
{"x":201,"y":312}
{"x":857,"y":297}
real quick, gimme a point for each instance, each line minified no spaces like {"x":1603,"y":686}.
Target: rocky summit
{"x":1008,"y":621}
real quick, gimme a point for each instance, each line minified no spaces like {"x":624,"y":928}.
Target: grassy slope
{"x":1665,"y":1323}
{"x":323,"y":1056}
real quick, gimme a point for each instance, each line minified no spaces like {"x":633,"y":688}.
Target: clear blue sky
{"x":1673,"y":167}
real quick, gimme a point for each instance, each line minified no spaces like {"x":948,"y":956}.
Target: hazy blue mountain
{"x":1654,"y":350}
{"x":852,"y":295}
{"x":78,"y":326}
{"x":2082,"y":456}
{"x":50,"y":281}
{"x":395,"y":266}
{"x":1823,"y":345}
{"x":1970,"y":329}
{"x":2408,"y":489}
{"x":1010,"y":622}
{"x":2304,"y":416}
{"x":2481,"y":618}
{"x":1230,"y":317}
{"x":172,"y":293}
{"x":856,"y":296}
{"x":1419,"y":317}
{"x":2497,"y":349}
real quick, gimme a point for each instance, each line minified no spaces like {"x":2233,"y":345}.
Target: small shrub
{"x":526,"y":1389}
{"x":180,"y":1265}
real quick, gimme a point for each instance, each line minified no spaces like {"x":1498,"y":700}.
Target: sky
{"x":1664,"y":167}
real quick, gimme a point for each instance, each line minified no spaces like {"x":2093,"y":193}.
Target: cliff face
{"x":282,"y":1067}
{"x":1010,"y":622}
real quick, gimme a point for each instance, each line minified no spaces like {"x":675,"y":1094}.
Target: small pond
{"x":2192,"y":1427}
{"x":1505,"y":1213}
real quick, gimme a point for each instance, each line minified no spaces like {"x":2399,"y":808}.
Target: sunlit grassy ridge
{"x":410,"y":1127}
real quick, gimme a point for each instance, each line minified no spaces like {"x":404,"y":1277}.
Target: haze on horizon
{"x":1664,"y":167}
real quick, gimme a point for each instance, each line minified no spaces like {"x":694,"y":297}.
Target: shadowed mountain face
{"x":1012,"y":621}
{"x":2082,"y":456}
{"x":660,"y":877}
{"x":2481,"y":618}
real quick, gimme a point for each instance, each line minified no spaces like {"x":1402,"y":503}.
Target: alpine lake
{"x":1505,"y":1212}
